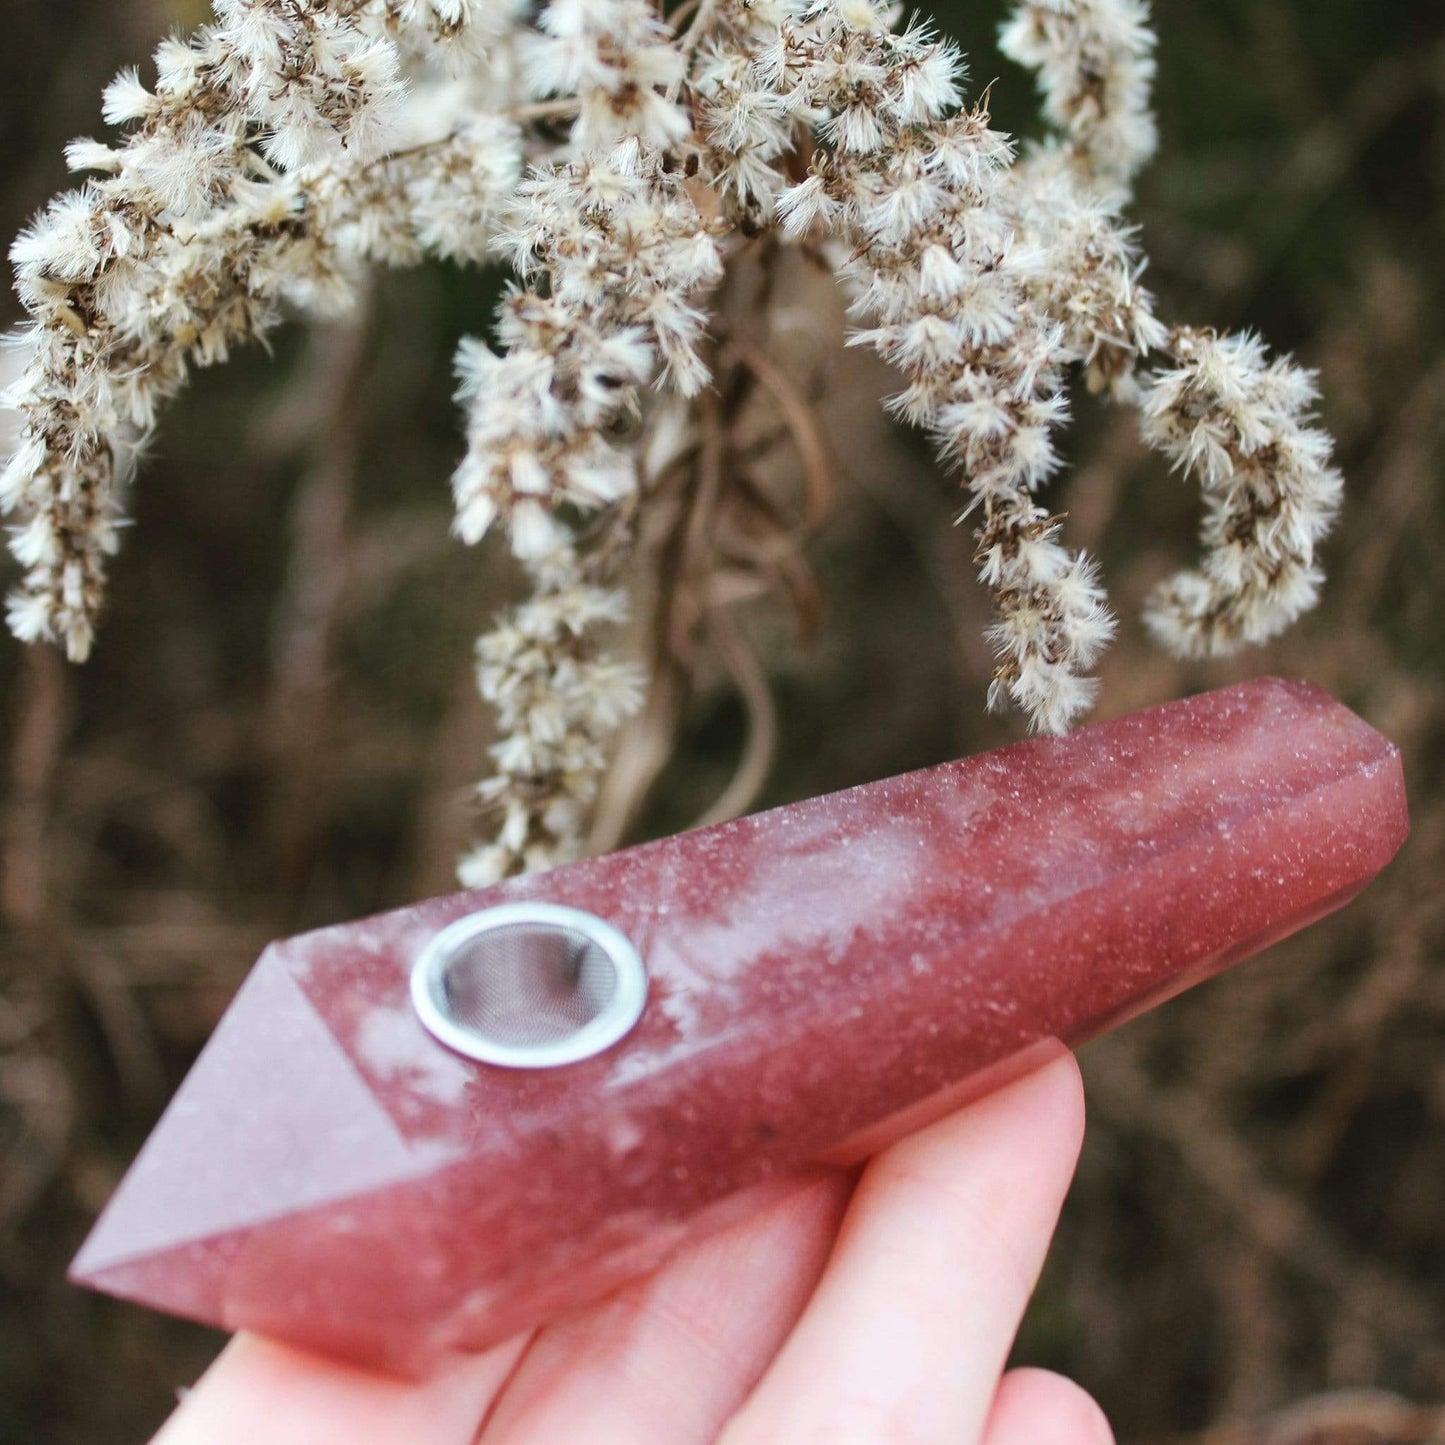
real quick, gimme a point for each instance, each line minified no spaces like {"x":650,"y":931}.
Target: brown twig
{"x":297,"y":719}
{"x":39,"y":733}
{"x":760,"y":741}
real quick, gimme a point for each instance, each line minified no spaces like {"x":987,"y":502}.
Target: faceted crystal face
{"x":824,"y":977}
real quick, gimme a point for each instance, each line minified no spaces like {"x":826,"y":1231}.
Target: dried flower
{"x":189,"y":240}
{"x":920,"y":195}
{"x":559,"y":698}
{"x":1239,"y":422}
{"x":1094,"y":61}
{"x":622,"y":251}
{"x":622,"y":168}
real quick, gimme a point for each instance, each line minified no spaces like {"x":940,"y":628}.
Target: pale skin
{"x":879,"y":1312}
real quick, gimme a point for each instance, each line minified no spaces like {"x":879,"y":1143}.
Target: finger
{"x":671,"y":1357}
{"x":1038,"y":1407}
{"x":260,"y":1390}
{"x":907,"y":1333}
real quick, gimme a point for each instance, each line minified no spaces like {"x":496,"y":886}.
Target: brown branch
{"x":297,"y":723}
{"x":1343,"y":1417}
{"x":803,"y":425}
{"x":39,"y":735}
{"x":1283,"y":1223}
{"x":760,"y":743}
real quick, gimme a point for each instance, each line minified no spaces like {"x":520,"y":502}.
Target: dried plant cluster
{"x":629,"y":166}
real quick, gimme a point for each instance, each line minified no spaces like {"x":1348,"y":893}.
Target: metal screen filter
{"x":529,"y":985}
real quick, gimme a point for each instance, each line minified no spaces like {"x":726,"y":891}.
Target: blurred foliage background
{"x":280,"y":723}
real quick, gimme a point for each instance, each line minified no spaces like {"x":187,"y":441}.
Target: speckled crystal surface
{"x":824,"y":977}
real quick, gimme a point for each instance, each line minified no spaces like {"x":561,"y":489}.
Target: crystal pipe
{"x":822,"y":978}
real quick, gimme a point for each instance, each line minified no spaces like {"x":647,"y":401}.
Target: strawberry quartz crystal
{"x":824,"y":977}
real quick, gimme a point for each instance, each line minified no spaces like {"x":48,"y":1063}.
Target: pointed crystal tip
{"x":272,"y":1120}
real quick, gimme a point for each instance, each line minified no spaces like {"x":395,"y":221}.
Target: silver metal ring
{"x":529,"y":985}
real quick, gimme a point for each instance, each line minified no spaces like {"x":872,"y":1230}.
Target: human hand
{"x":880,"y":1313}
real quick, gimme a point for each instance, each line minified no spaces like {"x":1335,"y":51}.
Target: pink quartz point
{"x":824,"y":977}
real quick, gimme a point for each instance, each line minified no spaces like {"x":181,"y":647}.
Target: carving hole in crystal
{"x":529,"y":985}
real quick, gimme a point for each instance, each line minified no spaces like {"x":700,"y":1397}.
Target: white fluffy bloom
{"x":558,"y":699}
{"x":185,"y":243}
{"x":446,"y":191}
{"x":1095,"y":65}
{"x":617,"y":58}
{"x":747,"y":125}
{"x":922,"y":198}
{"x":1240,"y":423}
{"x":623,"y":250}
{"x":1088,"y":272}
{"x":308,"y":73}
